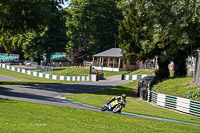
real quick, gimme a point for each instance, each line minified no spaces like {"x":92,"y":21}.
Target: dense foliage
{"x":162,"y":28}
{"x":92,"y":27}
{"x":31,"y":25}
{"x":166,"y":29}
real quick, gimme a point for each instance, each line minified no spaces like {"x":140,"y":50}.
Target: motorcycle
{"x":114,"y":106}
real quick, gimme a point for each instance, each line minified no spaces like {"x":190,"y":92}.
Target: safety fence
{"x":90,"y":77}
{"x":134,"y":77}
{"x":40,"y":68}
{"x":173,"y":102}
{"x":147,"y":66}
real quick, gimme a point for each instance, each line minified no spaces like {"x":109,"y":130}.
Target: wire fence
{"x":147,"y":66}
{"x":51,"y":67}
{"x":40,"y":68}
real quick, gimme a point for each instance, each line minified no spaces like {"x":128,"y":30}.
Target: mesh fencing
{"x":51,"y":67}
{"x":39,"y":68}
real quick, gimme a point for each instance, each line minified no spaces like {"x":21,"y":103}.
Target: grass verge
{"x":72,"y":71}
{"x":25,"y":79}
{"x":112,"y":73}
{"x":23,"y":117}
{"x":142,"y":71}
{"x":98,"y":98}
{"x":181,"y":87}
{"x":82,"y":71}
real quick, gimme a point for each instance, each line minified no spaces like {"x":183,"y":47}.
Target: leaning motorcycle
{"x":114,"y":106}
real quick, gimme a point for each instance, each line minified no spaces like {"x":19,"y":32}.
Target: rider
{"x":123,"y":96}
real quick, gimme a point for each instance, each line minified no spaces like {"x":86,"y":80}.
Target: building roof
{"x":113,"y":52}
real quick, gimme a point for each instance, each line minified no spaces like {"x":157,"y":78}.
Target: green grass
{"x":98,"y":98}
{"x":25,"y":79}
{"x":72,"y":71}
{"x":147,"y":71}
{"x":142,"y":71}
{"x":25,"y":117}
{"x":18,"y":116}
{"x":181,"y":87}
{"x":82,"y":71}
{"x":112,"y":73}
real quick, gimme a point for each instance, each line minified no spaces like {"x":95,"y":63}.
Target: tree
{"x":157,"y":28}
{"x":55,"y":38}
{"x":180,"y":20}
{"x":18,"y":15}
{"x":35,"y":25}
{"x":92,"y":26}
{"x":135,"y":29}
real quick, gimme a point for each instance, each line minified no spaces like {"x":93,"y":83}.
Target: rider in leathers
{"x":123,"y":96}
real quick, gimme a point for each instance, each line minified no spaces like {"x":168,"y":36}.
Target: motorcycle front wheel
{"x":117,"y":108}
{"x":104,"y":107}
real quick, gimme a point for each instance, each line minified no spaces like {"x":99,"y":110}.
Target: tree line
{"x":144,"y":29}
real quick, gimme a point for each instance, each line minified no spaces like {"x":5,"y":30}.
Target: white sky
{"x":66,"y":4}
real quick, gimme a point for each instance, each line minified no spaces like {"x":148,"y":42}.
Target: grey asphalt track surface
{"x":47,"y":93}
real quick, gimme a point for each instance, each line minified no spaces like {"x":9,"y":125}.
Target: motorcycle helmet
{"x":124,"y":96}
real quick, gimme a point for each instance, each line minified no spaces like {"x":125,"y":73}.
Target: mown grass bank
{"x":142,"y":71}
{"x":23,"y":117}
{"x":98,"y":98}
{"x":25,"y":79}
{"x":181,"y":87}
{"x":72,"y":71}
{"x":82,"y":71}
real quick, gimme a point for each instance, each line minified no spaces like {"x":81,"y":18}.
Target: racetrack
{"x":47,"y":93}
{"x":52,"y":94}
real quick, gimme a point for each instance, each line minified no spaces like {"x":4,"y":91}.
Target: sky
{"x":66,"y":4}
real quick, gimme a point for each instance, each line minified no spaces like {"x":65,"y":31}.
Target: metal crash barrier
{"x":171,"y":102}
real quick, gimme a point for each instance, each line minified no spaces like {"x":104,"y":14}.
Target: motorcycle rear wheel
{"x":117,"y":108}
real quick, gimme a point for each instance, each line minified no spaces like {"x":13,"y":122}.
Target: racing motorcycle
{"x":114,"y":106}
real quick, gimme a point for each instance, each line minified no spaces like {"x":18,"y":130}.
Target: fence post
{"x":122,"y":77}
{"x":90,"y":69}
{"x":149,"y":92}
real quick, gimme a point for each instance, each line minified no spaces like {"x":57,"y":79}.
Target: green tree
{"x":55,"y":38}
{"x":38,"y":26}
{"x":178,"y":19}
{"x":158,"y":28}
{"x":92,"y":26}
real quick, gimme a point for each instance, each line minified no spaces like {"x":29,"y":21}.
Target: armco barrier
{"x":134,"y":77}
{"x":173,"y":102}
{"x":50,"y":76}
